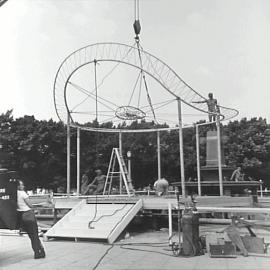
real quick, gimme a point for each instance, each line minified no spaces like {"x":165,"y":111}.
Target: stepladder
{"x":118,"y":180}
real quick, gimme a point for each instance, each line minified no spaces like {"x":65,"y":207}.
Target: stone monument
{"x":209,"y":172}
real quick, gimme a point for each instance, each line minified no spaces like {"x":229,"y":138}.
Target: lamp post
{"x":261,"y":185}
{"x":129,"y":164}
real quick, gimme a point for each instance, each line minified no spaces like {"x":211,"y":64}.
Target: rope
{"x":159,"y":103}
{"x":109,"y":215}
{"x":97,"y":133}
{"x":139,"y":98}
{"x":3,"y":2}
{"x":102,"y":257}
{"x":134,"y":88}
{"x":145,"y":83}
{"x":90,"y":222}
{"x":136,"y":10}
{"x":158,"y":107}
{"x":149,"y":99}
{"x":89,"y":94}
{"x":97,"y":142}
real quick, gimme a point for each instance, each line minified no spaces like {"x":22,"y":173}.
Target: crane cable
{"x":137,"y":30}
{"x":136,"y":24}
{"x":96,"y":124}
{"x":2,"y":2}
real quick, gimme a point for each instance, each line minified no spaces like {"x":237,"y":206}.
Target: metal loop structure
{"x":147,"y":63}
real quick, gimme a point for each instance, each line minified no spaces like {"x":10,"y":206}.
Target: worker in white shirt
{"x":161,"y":187}
{"x":27,"y":220}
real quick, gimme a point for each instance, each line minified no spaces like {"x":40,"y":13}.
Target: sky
{"x":219,"y":46}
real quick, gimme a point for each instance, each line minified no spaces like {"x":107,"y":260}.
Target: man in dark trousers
{"x":27,"y":220}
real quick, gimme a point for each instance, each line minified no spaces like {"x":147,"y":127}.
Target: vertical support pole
{"x":198,"y":160}
{"x":54,"y":215}
{"x":181,"y":148}
{"x":158,"y":154}
{"x":95,"y":62}
{"x":129,"y":168}
{"x":261,"y":187}
{"x":219,"y":157}
{"x":120,"y":144}
{"x":170,"y":222}
{"x":68,"y":153}
{"x":78,"y":160}
{"x":121,"y":154}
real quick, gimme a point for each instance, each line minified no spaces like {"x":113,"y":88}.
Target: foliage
{"x":38,"y":150}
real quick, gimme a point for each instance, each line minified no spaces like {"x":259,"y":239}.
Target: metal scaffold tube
{"x":219,"y":157}
{"x":78,"y":160}
{"x":68,"y":153}
{"x":198,"y":160}
{"x":121,"y":154}
{"x":181,"y":150}
{"x":158,"y":155}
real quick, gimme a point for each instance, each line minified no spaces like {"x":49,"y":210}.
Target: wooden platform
{"x":98,"y":221}
{"x":264,"y":201}
{"x":111,"y":214}
{"x":154,"y":202}
{"x":225,"y":184}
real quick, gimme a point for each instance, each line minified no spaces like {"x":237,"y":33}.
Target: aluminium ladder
{"x":117,"y":169}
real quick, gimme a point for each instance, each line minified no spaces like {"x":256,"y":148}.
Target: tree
{"x":38,"y":150}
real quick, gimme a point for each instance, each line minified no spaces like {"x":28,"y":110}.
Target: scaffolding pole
{"x":198,"y":160}
{"x":158,"y":154}
{"x":121,"y":154}
{"x":68,"y":153}
{"x":78,"y":160}
{"x":219,"y":157}
{"x":181,"y":152}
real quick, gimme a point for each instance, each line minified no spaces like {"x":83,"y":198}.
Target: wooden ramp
{"x":95,"y":221}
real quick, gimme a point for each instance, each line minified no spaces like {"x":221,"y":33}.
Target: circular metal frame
{"x":125,"y":54}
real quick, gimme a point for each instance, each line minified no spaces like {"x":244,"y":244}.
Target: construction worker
{"x":97,"y":186}
{"x":161,"y":186}
{"x":237,"y":175}
{"x":234,"y":234}
{"x":27,"y":220}
{"x":85,"y":183}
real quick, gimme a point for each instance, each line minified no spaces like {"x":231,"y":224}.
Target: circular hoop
{"x":125,"y":54}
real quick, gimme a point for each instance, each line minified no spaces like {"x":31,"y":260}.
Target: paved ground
{"x":15,"y":253}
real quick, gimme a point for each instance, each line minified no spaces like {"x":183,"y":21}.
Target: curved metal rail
{"x":125,"y":54}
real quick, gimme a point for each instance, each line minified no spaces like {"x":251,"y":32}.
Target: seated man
{"x":97,"y":186}
{"x":237,"y":175}
{"x":85,"y":183}
{"x":161,"y":186}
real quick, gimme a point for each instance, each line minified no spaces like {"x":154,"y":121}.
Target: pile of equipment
{"x":227,"y":243}
{"x":188,"y":223}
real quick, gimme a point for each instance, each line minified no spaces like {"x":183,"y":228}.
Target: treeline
{"x":37,"y":150}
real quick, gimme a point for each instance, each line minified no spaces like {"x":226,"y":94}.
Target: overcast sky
{"x":219,"y":46}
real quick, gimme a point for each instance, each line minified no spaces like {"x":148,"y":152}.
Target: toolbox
{"x":254,"y":244}
{"x":223,"y":250}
